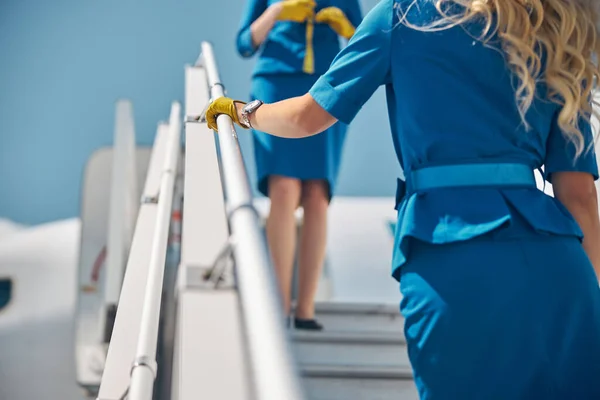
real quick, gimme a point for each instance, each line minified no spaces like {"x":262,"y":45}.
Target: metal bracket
{"x":219,"y":267}
{"x":194,"y":119}
{"x":145,"y":361}
{"x":233,"y":210}
{"x":147,"y":199}
{"x":123,"y":397}
{"x":215,"y":274}
{"x":202,"y":117}
{"x":218,"y":84}
{"x":153,"y":199}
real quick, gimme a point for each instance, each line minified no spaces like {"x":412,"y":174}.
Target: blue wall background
{"x":64,"y":63}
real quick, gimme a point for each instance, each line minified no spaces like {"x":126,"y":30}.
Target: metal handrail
{"x":144,"y":368}
{"x":274,"y":370}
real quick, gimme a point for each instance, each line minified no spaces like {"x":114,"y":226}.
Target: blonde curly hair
{"x":567,"y":32}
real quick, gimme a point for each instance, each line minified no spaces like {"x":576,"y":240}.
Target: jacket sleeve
{"x":254,"y":9}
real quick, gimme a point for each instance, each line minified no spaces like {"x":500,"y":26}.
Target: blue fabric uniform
{"x":500,"y":300}
{"x":278,"y":75}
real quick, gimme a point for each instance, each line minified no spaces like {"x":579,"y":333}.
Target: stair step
{"x":334,"y":382}
{"x":356,"y":372}
{"x":366,"y":349}
{"x":357,"y":308}
{"x":335,"y":336}
{"x":360,"y":317}
{"x":361,"y":354}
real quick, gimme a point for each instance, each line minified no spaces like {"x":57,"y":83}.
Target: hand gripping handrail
{"x":274,"y":370}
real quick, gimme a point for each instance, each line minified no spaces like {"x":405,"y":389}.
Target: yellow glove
{"x":337,"y":20}
{"x":222,"y":105}
{"x":297,"y":10}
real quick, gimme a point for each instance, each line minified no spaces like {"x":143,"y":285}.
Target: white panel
{"x":360,"y":243}
{"x":159,"y":152}
{"x":120,"y":217}
{"x":211,"y":360}
{"x":196,"y":90}
{"x":205,"y":229}
{"x":121,"y":353}
{"x":116,"y":376}
{"x":96,"y":184}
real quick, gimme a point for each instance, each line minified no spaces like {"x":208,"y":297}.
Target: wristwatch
{"x":248,"y":110}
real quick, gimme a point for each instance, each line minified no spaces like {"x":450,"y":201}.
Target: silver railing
{"x":271,"y":363}
{"x":143,"y":265}
{"x":204,"y":345}
{"x":144,"y":369}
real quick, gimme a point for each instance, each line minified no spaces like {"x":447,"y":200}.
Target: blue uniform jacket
{"x":284,"y":49}
{"x":451,"y":100}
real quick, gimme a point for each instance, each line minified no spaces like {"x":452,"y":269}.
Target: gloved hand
{"x":337,"y":20}
{"x":222,"y":105}
{"x":297,"y":10}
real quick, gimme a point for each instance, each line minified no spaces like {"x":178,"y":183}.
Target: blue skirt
{"x":314,"y":158}
{"x":512,"y":314}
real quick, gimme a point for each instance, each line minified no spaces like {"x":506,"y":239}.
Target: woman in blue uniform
{"x":500,"y":297}
{"x":297,"y":40}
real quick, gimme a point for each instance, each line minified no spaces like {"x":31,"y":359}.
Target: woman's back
{"x":456,"y":97}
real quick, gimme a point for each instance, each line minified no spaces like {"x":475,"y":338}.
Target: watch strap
{"x":247,"y":111}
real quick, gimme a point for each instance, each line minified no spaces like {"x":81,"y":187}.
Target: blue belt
{"x":465,"y":175}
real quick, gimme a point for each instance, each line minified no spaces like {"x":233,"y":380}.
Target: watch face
{"x":252,"y":105}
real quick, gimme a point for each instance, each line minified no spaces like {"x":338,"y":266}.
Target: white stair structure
{"x":108,"y":212}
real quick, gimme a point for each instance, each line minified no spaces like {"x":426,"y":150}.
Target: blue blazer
{"x":284,"y":49}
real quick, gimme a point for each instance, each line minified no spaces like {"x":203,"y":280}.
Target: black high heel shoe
{"x":307,"y":324}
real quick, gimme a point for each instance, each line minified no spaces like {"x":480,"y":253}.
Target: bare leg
{"x":312,"y":245}
{"x":281,"y":231}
